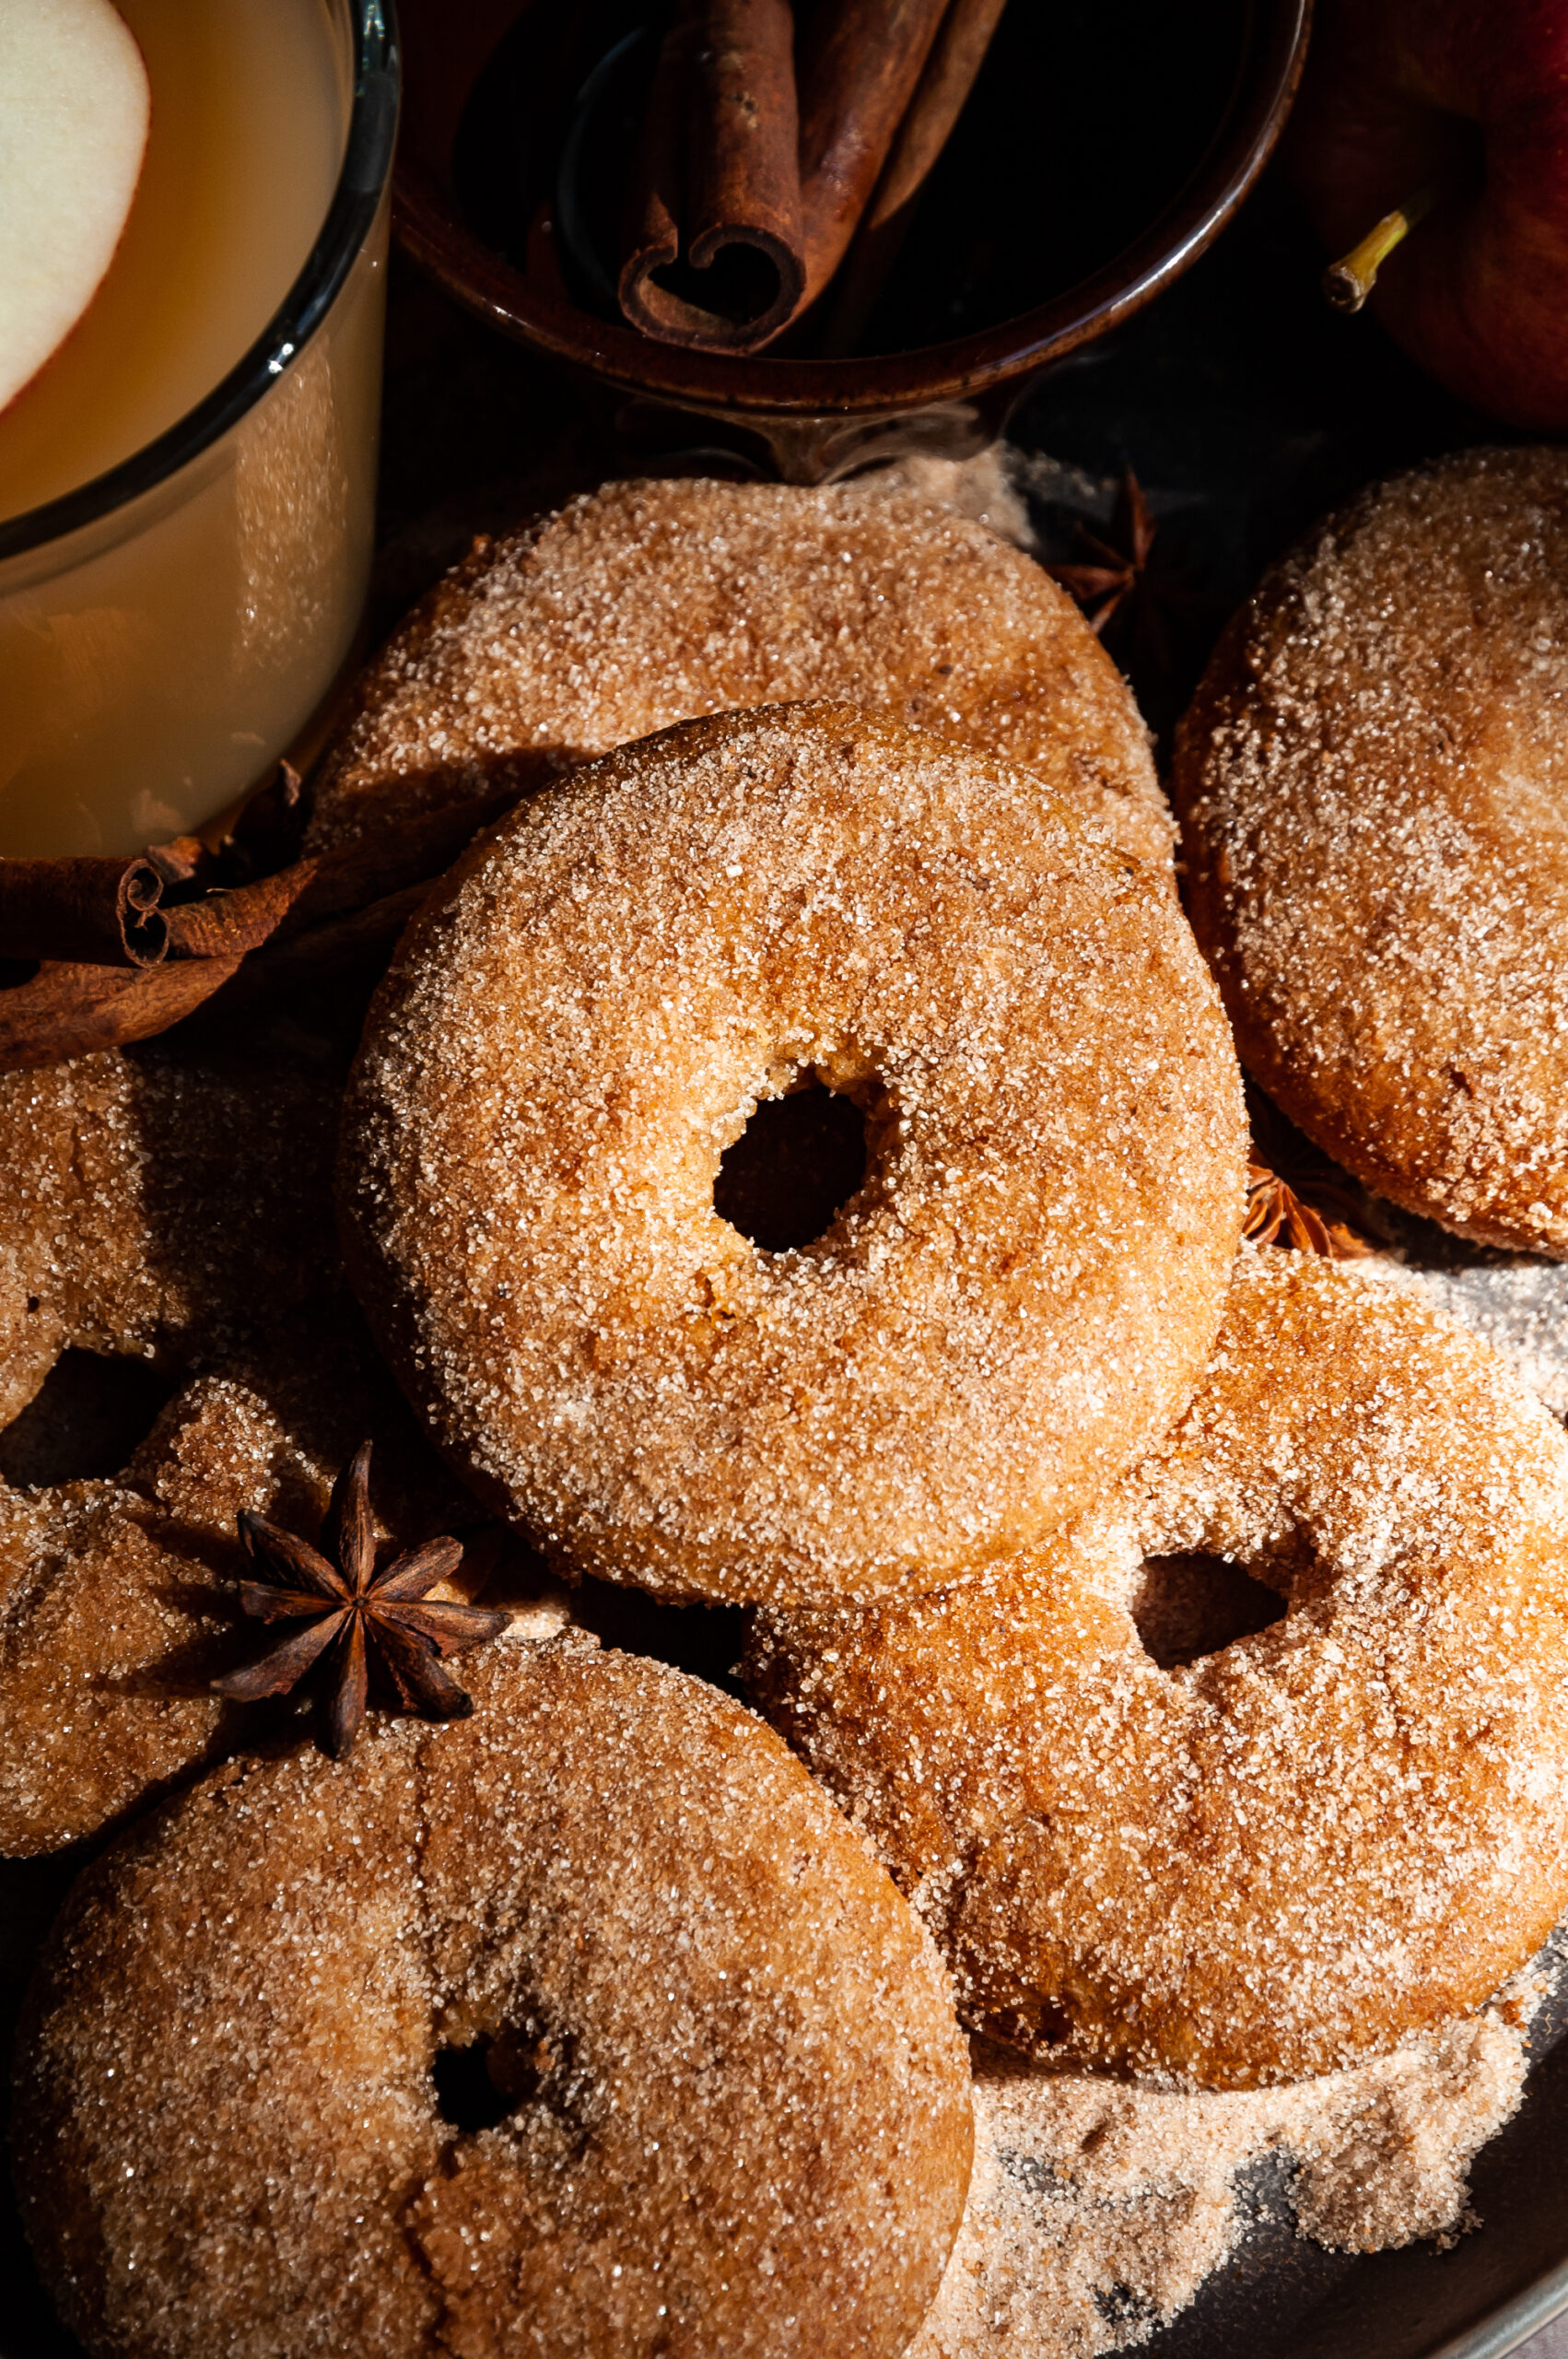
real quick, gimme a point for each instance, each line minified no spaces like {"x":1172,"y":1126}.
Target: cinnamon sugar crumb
{"x":1097,"y":2209}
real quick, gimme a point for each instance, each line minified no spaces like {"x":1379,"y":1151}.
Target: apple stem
{"x":1348,"y":282}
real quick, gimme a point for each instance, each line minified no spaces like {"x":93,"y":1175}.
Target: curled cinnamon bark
{"x":319,"y":953}
{"x":68,"y":1010}
{"x":858,"y":72}
{"x":184,"y":861}
{"x":106,"y":911}
{"x":309,"y":892}
{"x":266,"y":832}
{"x":227,"y":925}
{"x":714,"y":225}
{"x":956,"y":58}
{"x":249,"y":943}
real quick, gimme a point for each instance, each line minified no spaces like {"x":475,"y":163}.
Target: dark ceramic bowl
{"x":1102,"y":150}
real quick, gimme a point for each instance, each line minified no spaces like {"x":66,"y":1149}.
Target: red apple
{"x":73,"y":114}
{"x":1468,"y":103}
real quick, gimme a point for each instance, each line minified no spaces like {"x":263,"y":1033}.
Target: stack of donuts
{"x":1155,"y":1647}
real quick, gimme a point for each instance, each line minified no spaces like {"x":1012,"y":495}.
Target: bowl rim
{"x":376,"y":80}
{"x":1267,"y":75}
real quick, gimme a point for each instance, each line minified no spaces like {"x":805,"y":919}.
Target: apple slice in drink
{"x":73,"y":111}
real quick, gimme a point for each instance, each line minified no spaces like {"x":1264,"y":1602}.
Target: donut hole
{"x":85,"y":1422}
{"x":1187,"y":1606}
{"x":481,"y":2083}
{"x":467,"y":2093}
{"x":788,"y":1177}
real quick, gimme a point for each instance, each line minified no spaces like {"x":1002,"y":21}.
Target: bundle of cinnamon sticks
{"x":125,"y":948}
{"x":776,"y":161}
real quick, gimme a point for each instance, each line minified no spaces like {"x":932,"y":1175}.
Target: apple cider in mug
{"x":181,"y":577}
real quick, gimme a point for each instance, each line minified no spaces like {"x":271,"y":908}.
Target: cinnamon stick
{"x":322,"y":952}
{"x":714,"y":248}
{"x":266,"y":833}
{"x":306,"y":921}
{"x":956,"y":58}
{"x":858,"y":71}
{"x":184,"y":861}
{"x":369,"y":867}
{"x":68,"y":1010}
{"x":227,"y":925}
{"x":277,"y":908}
{"x":106,"y":911}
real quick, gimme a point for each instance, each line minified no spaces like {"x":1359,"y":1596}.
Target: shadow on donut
{"x":87,"y":1420}
{"x":706,"y":1641}
{"x":1189,"y":1606}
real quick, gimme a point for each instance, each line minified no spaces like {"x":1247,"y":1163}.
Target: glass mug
{"x":170,"y":627}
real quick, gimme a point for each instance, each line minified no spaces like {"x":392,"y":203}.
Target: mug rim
{"x":362,"y":183}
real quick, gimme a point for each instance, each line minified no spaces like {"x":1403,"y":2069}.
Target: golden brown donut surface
{"x":652,"y":602}
{"x":180,"y":1218}
{"x":1011,"y":1309}
{"x":1271,"y":1858}
{"x":739,"y":2112}
{"x":117,"y":1605}
{"x":155,"y":1210}
{"x":1372,"y":784}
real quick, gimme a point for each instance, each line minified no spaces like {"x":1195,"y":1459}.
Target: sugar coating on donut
{"x":1287,"y":1852}
{"x":179,"y":1216}
{"x":110,"y":1615}
{"x":647,"y":602}
{"x":155,"y":1210}
{"x":1011,"y":1308}
{"x":739,"y":2116}
{"x":117,"y":1607}
{"x":1373,"y":783}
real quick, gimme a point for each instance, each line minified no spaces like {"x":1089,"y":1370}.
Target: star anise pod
{"x":1105,"y":587}
{"x":1140,"y":607}
{"x":1276,"y":1214}
{"x":355,"y":1612}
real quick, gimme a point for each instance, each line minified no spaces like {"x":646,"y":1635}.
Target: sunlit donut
{"x":1373,"y":785}
{"x":1007,"y":1311}
{"x":1267,"y":1763}
{"x":648,"y":602}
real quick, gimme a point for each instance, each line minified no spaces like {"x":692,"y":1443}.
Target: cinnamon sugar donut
{"x":725,"y":2107}
{"x":180,"y":1219}
{"x":157,"y":1210}
{"x":1013,"y":1306}
{"x":1373,"y":785}
{"x":116,"y":1600}
{"x":1275,"y":1855}
{"x":648,"y":602}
